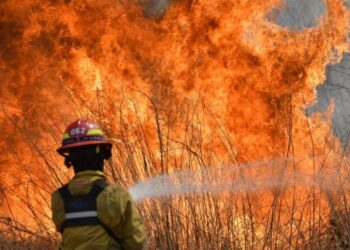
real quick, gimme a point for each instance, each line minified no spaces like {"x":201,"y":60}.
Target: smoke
{"x":336,"y":89}
{"x":347,"y":3}
{"x":299,"y":14}
{"x":155,"y":8}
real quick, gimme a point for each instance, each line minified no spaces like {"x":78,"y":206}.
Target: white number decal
{"x":77,"y":131}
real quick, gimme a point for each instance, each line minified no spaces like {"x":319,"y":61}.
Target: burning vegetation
{"x":179,"y":86}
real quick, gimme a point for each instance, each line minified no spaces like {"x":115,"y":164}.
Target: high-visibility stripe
{"x":66,"y":136}
{"x":78,"y":215}
{"x":95,"y":131}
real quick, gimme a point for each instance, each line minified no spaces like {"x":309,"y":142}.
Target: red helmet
{"x":82,"y":133}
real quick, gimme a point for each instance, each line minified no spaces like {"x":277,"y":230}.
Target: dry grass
{"x":281,"y":217}
{"x":14,"y":235}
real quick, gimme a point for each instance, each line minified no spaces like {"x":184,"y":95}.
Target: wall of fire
{"x":301,"y":14}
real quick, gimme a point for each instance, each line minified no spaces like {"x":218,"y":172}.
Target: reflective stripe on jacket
{"x":116,"y":210}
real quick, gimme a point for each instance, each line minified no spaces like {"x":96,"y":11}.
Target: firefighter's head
{"x":84,"y":146}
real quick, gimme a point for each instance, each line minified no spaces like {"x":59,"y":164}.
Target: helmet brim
{"x":65,"y":149}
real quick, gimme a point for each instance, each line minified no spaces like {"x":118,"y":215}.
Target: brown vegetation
{"x":211,"y":83}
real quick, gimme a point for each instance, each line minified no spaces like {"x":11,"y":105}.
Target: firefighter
{"x":88,"y":212}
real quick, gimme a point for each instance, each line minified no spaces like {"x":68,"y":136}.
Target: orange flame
{"x":217,"y":76}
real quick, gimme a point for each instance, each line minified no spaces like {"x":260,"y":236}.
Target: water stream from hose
{"x":252,"y":177}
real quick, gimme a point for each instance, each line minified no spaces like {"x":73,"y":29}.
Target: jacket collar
{"x":83,"y":181}
{"x":89,"y":174}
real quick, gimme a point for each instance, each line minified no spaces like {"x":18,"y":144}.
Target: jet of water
{"x":275,"y":173}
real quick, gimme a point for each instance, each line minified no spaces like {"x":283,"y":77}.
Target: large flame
{"x":218,"y":78}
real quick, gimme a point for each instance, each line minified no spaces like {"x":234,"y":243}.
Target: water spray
{"x":251,"y":177}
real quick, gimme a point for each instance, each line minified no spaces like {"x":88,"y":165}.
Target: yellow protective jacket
{"x":116,"y":210}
